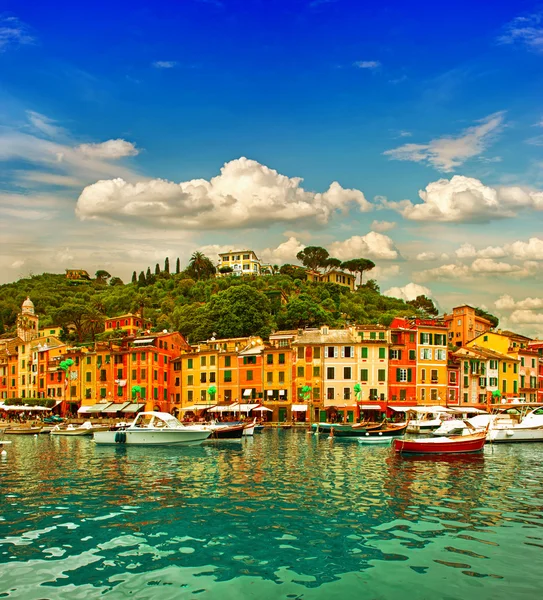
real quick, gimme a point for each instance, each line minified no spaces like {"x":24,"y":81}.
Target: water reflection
{"x":284,"y":507}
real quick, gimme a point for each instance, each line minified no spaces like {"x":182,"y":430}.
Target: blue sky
{"x":116,"y":119}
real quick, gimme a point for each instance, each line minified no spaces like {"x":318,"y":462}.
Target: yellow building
{"x":333,"y":276}
{"x":280,"y":394}
{"x":518,"y":375}
{"x":374,"y":342}
{"x":241,"y":262}
{"x":431,"y":362}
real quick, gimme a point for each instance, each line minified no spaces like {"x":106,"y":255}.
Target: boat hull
{"x":228,"y":433}
{"x":338,"y":430}
{"x":23,"y":431}
{"x":151,"y":437}
{"x":461,"y":445}
{"x":515,"y":434}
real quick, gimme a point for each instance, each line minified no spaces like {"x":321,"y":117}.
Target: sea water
{"x":285,"y":514}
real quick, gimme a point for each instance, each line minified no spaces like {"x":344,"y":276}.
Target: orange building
{"x":129,"y":323}
{"x":464,"y":325}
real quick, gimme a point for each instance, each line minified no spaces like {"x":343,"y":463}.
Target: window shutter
{"x":430,"y":335}
{"x":335,"y":352}
{"x":398,"y":375}
{"x":399,"y":355}
{"x":408,"y":375}
{"x":342,"y":352}
{"x":421,"y":338}
{"x":364,"y":352}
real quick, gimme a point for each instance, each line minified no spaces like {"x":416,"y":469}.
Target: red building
{"x":402,"y":362}
{"x":538,"y":345}
{"x":129,"y":323}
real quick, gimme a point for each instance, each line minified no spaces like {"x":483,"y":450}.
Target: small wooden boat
{"x":460,"y":444}
{"x":87,"y":429}
{"x":227,"y":432}
{"x":259,"y":428}
{"x":339,"y":429}
{"x":381,"y":436}
{"x":22,"y":430}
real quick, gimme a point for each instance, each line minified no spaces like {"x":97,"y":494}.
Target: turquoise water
{"x":282,"y":515}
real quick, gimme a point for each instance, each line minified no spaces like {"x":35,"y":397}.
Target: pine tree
{"x":178,"y":266}
{"x":134,"y":277}
{"x":148,"y":275}
{"x":167,"y":265}
{"x":157,"y":269}
{"x":141,"y":279}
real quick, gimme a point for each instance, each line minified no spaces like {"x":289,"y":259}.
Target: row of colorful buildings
{"x":302,"y":374}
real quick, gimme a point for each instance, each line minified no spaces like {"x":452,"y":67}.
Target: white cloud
{"x":530,"y":250}
{"x":13,"y":33}
{"x":427,"y":256}
{"x":525,"y":30}
{"x":488,"y":265}
{"x":408,"y":292}
{"x":480,"y":267}
{"x":382,"y":226}
{"x":245,"y":194}
{"x":447,"y":153}
{"x":526,"y":317}
{"x":465,"y":199}
{"x":111,"y":149}
{"x":381,"y":273}
{"x":44,"y":124}
{"x":367,"y":64}
{"x":17,"y":264}
{"x":284,"y":253}
{"x":165,"y":64}
{"x":372,"y":245}
{"x":444,"y":273}
{"x":506,"y":302}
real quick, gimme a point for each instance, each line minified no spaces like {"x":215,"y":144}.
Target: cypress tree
{"x":157,"y":269}
{"x":134,"y":277}
{"x":148,"y":275}
{"x":167,"y":265}
{"x":141,"y":279}
{"x":177,"y":267}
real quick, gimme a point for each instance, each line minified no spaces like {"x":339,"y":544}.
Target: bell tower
{"x":27,"y":322}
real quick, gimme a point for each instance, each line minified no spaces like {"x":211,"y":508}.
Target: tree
{"x":293,"y":271}
{"x":358,"y":265}
{"x":486,"y":315}
{"x":371,"y":284}
{"x":332,"y":263}
{"x":313,"y":257}
{"x":134,"y":278}
{"x":149,"y":277}
{"x":139,"y":303}
{"x":177,"y":266}
{"x":93,"y":322}
{"x":167,"y":265}
{"x":141,"y":279}
{"x":424,"y":304}
{"x":240,"y":311}
{"x":116,"y":281}
{"x":225,"y":270}
{"x":71,"y":315}
{"x":200,"y":266}
{"x":102,"y":276}
{"x":302,"y":313}
{"x":157,"y":269}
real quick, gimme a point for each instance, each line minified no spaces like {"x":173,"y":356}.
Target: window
{"x":189,"y":363}
{"x":521,"y":362}
{"x":88,"y":376}
{"x":316,"y":394}
{"x":190,"y":380}
{"x":301,"y":352}
{"x":212,"y":377}
{"x":361,"y":334}
{"x":440,"y":339}
{"x":364,"y":375}
{"x":249,"y":375}
{"x":249,"y":360}
{"x":346,"y":372}
{"x":423,"y":395}
{"x":466,"y":381}
{"x":425,"y":338}
{"x":331,"y":352}
{"x":423,"y":375}
{"x":403,"y":395}
{"x":281,"y":359}
{"x":155,"y":375}
{"x":381,"y":375}
{"x":395,"y":355}
{"x":482,"y":382}
{"x":330,"y":373}
{"x":412,"y":355}
{"x":190,"y":395}
{"x":227,"y":361}
{"x":330,"y":393}
{"x":281,"y":377}
{"x":504,"y":368}
{"x":269,"y":359}
{"x":227,"y":376}
{"x":441,"y":355}
{"x":103,"y":392}
{"x":515,"y":367}
{"x":316,"y":371}
{"x":412,"y":337}
{"x":300,"y":371}
{"x":143,"y":374}
{"x":348,"y":351}
{"x":134,"y":373}
{"x":269,"y":377}
{"x":382,"y":353}
{"x":203,"y":360}
{"x":203,"y":377}
{"x":346,"y":393}
{"x":364,"y":352}
{"x":317,"y":352}
{"x":434,"y":375}
{"x":493,"y":364}
{"x":373,"y":335}
{"x":433,"y":395}
{"x":493,"y":381}
{"x":426,"y":353}
{"x":403,"y":375}
{"x":119,"y":373}
{"x":89,"y":360}
{"x":381,"y":335}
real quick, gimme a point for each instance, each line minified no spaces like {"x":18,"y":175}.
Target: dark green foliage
{"x":141,"y":279}
{"x":167,"y":265}
{"x":313,"y":257}
{"x":134,"y":278}
{"x":177,"y":266}
{"x":425,"y":305}
{"x":157,"y":269}
{"x":486,"y":315}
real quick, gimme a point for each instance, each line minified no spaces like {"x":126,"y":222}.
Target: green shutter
{"x":398,"y":376}
{"x":409,"y":377}
{"x":364,"y":352}
{"x":364,"y":375}
{"x":421,"y":338}
{"x":399,"y":355}
{"x":381,"y":352}
{"x":431,"y":337}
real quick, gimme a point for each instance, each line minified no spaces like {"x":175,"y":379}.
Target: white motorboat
{"x":86,"y":429}
{"x":427,"y":418}
{"x":154,"y":429}
{"x":461,"y":423}
{"x":524,"y":425}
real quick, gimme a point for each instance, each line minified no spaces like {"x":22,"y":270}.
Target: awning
{"x":223,"y":408}
{"x":22,"y":408}
{"x":98,"y":407}
{"x":299,"y":407}
{"x":143,"y":341}
{"x":468,"y":410}
{"x":84,"y":409}
{"x":282,"y":392}
{"x":423,"y":409}
{"x":133,"y":408}
{"x":248,"y":392}
{"x":115,"y":407}
{"x":243,"y":407}
{"x":270,"y":392}
{"x":402,"y":408}
{"x":198,"y":407}
{"x":369,"y":407}
{"x":262,"y":409}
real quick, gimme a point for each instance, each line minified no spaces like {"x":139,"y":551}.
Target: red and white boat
{"x":455,"y":444}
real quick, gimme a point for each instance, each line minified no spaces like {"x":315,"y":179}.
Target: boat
{"x":462,"y":424}
{"x":339,"y":429}
{"x":227,"y":432}
{"x":427,"y":418}
{"x":259,"y":428}
{"x":86,"y":429}
{"x":249,"y":428}
{"x":22,"y":430}
{"x":460,"y":444}
{"x":526,"y":425}
{"x":383,"y":435}
{"x":153,"y":428}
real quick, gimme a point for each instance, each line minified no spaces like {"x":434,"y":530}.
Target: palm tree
{"x":93,"y":321}
{"x":139,"y":303}
{"x":201,"y":266}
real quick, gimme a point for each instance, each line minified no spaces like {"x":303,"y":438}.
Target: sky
{"x":410,"y":133}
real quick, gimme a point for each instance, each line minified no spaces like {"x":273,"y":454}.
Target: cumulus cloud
{"x":367,"y":64}
{"x":408,"y":292}
{"x":165,"y":64}
{"x":244,"y":194}
{"x":465,"y":199}
{"x":382,"y":226}
{"x":444,"y":273}
{"x":526,"y":30}
{"x":427,"y":256}
{"x":526,"y":317}
{"x":284,"y":253}
{"x":480,"y":267}
{"x":111,"y":149}
{"x":447,"y":153}
{"x":520,"y":250}
{"x":507,"y":302}
{"x":372,"y":245}
{"x":381,"y":273}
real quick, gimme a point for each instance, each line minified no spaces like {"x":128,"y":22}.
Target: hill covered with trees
{"x":199,"y":305}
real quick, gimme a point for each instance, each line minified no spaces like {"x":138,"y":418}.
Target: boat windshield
{"x":162,"y":420}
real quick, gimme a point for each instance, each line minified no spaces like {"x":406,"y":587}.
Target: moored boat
{"x":227,"y":432}
{"x":528,"y":427}
{"x":154,"y":429}
{"x":339,"y":429}
{"x":22,"y":430}
{"x":86,"y":429}
{"x":461,"y":444}
{"x":381,"y":436}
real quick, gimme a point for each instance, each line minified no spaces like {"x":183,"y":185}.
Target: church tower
{"x":27,"y":322}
